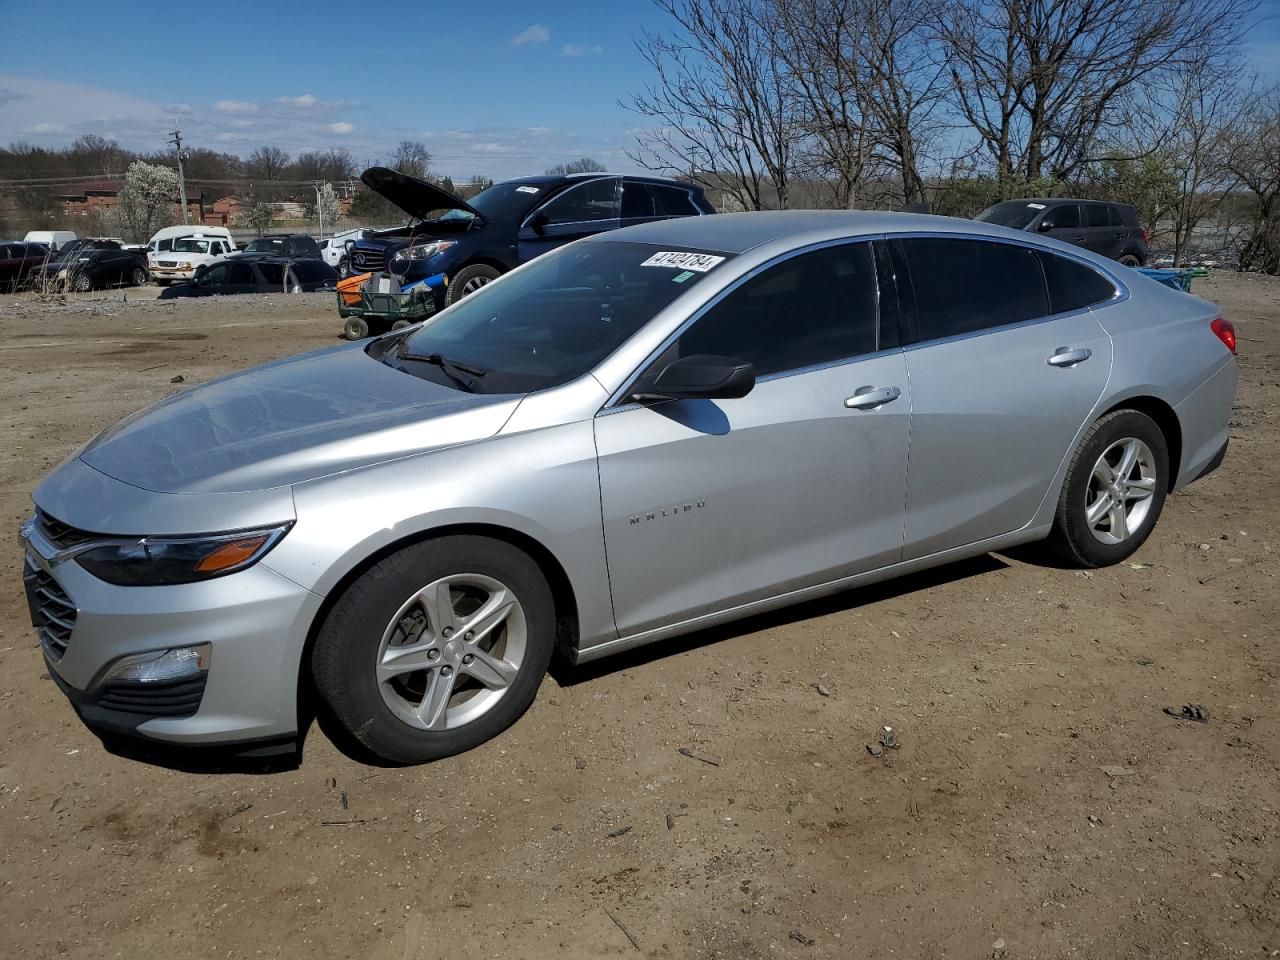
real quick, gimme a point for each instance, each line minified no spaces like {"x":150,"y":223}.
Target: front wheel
{"x":82,"y":283}
{"x":1114,"y":491}
{"x":139,"y":277}
{"x":469,"y":280}
{"x":436,"y":649}
{"x":1130,"y":260}
{"x":356,"y":328}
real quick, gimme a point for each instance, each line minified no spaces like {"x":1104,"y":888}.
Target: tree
{"x":146,"y":200}
{"x":326,"y":208}
{"x":258,"y":216}
{"x":267,"y":163}
{"x":94,"y":155}
{"x":412,"y":158}
{"x":1252,"y":155}
{"x":1044,"y":83}
{"x":581,"y":165}
{"x":721,"y":109}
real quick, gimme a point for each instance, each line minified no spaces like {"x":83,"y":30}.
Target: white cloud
{"x":342,"y":127}
{"x":580,"y":50}
{"x":306,"y":100}
{"x":533,"y":34}
{"x":45,"y":128}
{"x":241,"y":122}
{"x":184,"y":109}
{"x":235,"y":106}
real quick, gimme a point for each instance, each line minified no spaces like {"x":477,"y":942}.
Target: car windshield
{"x":1012,"y":213}
{"x":265,"y":245}
{"x":555,"y":320}
{"x":502,"y":201}
{"x":191,"y":245}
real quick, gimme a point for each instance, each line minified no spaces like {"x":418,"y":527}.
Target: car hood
{"x":415,"y":197}
{"x":290,"y":421}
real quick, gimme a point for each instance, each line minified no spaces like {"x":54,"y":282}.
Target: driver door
{"x":579,"y":211}
{"x":709,"y":504}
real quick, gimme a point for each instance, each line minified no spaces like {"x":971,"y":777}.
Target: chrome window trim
{"x":618,"y":399}
{"x":1121,"y":295}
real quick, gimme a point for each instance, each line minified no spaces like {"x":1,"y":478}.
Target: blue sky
{"x":492,"y":87}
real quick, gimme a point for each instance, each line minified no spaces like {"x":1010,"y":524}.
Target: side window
{"x":240,"y":273}
{"x":637,"y":200}
{"x":962,"y":285}
{"x":673,"y":202}
{"x":1072,"y":285}
{"x":216,"y":275}
{"x":272,"y":273}
{"x":1063,"y":217}
{"x":594,"y":200}
{"x":165,"y":245}
{"x":813,"y":308}
{"x":1097,"y":214}
{"x":1113,"y":214}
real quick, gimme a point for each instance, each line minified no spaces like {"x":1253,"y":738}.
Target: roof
{"x":740,"y":232}
{"x":554,"y":178}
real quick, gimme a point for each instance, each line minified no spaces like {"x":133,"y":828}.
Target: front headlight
{"x":164,"y":561}
{"x":185,"y":265}
{"x":424,"y":251}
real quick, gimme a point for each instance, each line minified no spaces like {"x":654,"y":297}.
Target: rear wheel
{"x":82,"y":283}
{"x":436,"y":649}
{"x":469,"y":280}
{"x":1114,"y":491}
{"x":1130,"y":260}
{"x":401,"y":324}
{"x":355,"y":328}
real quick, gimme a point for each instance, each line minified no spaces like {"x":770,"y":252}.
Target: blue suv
{"x":473,"y":242}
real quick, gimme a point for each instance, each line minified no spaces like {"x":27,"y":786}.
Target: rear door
{"x":1062,"y":222}
{"x":711,"y":504}
{"x":1002,"y":379}
{"x":1100,"y":235}
{"x":580,"y":211}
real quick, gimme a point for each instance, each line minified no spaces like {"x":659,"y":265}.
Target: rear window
{"x":1098,"y":215}
{"x":673,"y":202}
{"x":1011,"y":213}
{"x":1072,"y":285}
{"x":962,"y":286}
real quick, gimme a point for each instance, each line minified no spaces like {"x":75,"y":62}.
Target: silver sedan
{"x":639,"y":435}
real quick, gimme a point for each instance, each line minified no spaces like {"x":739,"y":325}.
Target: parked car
{"x":53,"y":239}
{"x":473,"y":242}
{"x":285,"y":245}
{"x":163,"y":239}
{"x":187,"y":255}
{"x":334,"y":249}
{"x":17,"y":260}
{"x":643,"y":434}
{"x":256,"y":274}
{"x":1110,"y":229}
{"x":90,"y":267}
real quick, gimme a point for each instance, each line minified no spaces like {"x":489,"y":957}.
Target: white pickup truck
{"x":187,"y":256}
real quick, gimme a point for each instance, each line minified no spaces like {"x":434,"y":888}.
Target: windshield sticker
{"x":526,"y":189}
{"x":1036,"y":206}
{"x":682,"y":260}
{"x":682,"y":277}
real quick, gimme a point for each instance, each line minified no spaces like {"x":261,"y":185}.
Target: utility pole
{"x":319,"y":207}
{"x":175,"y":138}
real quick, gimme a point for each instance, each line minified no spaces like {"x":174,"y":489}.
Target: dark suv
{"x":285,"y":245}
{"x":1110,"y":229}
{"x":473,"y":242}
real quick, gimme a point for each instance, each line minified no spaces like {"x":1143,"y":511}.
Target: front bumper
{"x":171,"y":273}
{"x":255,"y":623}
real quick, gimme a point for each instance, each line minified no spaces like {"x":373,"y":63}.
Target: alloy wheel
{"x":451,"y":652}
{"x":1121,"y":485}
{"x":474,"y":284}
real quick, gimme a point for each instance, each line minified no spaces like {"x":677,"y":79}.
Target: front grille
{"x":368,"y":261}
{"x":62,"y":535}
{"x":171,"y":698}
{"x":166,"y":263}
{"x":53,"y":613}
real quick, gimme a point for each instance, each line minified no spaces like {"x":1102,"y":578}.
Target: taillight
{"x":1146,"y":236}
{"x":1224,"y":331}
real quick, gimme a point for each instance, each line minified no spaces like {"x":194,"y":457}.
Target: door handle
{"x":1066,"y":357}
{"x":868,"y":398}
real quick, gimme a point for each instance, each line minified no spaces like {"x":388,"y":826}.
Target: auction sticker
{"x":526,"y":189}
{"x":683,"y":260}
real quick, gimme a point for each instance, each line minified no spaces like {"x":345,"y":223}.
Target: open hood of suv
{"x":415,"y":197}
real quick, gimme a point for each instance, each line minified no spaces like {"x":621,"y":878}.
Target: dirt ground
{"x":583,"y":832}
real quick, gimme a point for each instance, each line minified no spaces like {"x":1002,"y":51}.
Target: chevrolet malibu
{"x":638,"y":435}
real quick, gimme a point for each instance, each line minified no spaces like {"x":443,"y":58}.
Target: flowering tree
{"x":146,"y":200}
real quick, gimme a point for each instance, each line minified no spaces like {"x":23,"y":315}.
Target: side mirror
{"x":705,"y":377}
{"x":1045,"y":226}
{"x":539,"y":222}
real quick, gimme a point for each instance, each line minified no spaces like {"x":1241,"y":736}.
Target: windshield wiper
{"x":444,"y":363}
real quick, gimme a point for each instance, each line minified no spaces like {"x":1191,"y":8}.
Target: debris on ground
{"x":618,"y":923}
{"x":671,"y":822}
{"x":1115,"y":770}
{"x":997,"y":949}
{"x":696,"y":755}
{"x":874,"y":749}
{"x":178,"y":379}
{"x":822,"y":690}
{"x":799,"y":937}
{"x":1189,"y":711}
{"x":889,"y":739}
{"x":620,"y":832}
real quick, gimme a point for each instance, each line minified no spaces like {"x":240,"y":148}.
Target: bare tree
{"x":1044,"y":82}
{"x":581,"y":165}
{"x":267,"y":163}
{"x":412,"y":158}
{"x":1253,"y":156}
{"x":721,"y":110}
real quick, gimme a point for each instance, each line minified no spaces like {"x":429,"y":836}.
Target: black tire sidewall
{"x":1071,"y":515}
{"x":347,"y":645}
{"x":453,"y":292}
{"x":136,"y":281}
{"x":355,"y":325}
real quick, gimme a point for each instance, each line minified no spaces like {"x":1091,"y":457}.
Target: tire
{"x":384,"y":610}
{"x":1144,"y":487}
{"x":1130,"y":260}
{"x":82,"y":283}
{"x":343,"y":268}
{"x":139,"y":277}
{"x":468,"y":280}
{"x":401,"y":324}
{"x":355,"y":328}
